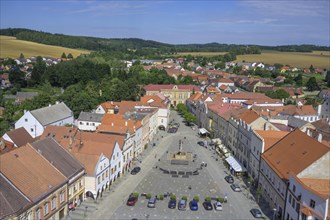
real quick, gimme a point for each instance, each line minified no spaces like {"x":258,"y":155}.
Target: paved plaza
{"x":159,"y":176}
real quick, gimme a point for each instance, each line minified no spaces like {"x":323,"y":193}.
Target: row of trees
{"x":188,"y":116}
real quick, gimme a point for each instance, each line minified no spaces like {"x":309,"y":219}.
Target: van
{"x":182,"y":205}
{"x":152,"y":202}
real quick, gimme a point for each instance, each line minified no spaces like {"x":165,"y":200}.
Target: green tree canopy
{"x":70,"y":56}
{"x":312,"y":84}
{"x":63,"y":56}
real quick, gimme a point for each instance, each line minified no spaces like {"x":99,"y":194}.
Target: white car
{"x":218,"y":206}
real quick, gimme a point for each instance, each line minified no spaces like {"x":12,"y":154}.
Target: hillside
{"x":12,"y":48}
{"x":120,"y":44}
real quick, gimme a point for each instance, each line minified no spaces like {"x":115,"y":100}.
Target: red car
{"x":131,"y":201}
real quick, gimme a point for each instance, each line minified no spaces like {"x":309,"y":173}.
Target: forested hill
{"x":120,"y":44}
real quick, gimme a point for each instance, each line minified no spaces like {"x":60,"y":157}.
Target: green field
{"x":10,"y":47}
{"x":319,"y":59}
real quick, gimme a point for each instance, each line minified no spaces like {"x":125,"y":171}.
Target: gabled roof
{"x":50,"y":114}
{"x":225,"y":80}
{"x":30,"y":172}
{"x":154,"y":100}
{"x":20,"y":136}
{"x":58,"y":157}
{"x":294,"y":153}
{"x":12,"y":201}
{"x":248,"y":116}
{"x":91,"y":117}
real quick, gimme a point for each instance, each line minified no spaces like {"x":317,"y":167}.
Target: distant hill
{"x":10,"y":47}
{"x":99,"y":44}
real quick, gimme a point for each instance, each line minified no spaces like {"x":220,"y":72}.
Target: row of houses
{"x":84,"y":155}
{"x":283,"y":149}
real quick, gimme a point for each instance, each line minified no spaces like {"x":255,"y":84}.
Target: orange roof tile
{"x":270,"y":137}
{"x":117,"y":124}
{"x":296,"y":146}
{"x":30,"y":172}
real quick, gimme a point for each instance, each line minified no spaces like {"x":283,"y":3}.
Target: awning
{"x":203,"y":131}
{"x":235,"y":164}
{"x":216,"y":141}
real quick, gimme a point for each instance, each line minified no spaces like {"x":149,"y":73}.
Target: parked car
{"x":152,"y":202}
{"x":135,"y":170}
{"x":193,"y":205}
{"x":207,"y":205}
{"x":218,"y":206}
{"x":235,"y":187}
{"x":200,"y":143}
{"x":229,"y":179}
{"x":256,"y":213}
{"x":182,"y":205}
{"x":131,"y":200}
{"x":172,"y":203}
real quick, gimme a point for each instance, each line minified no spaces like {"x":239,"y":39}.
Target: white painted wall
{"x":31,"y":125}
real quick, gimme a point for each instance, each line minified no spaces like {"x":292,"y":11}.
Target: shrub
{"x":148,"y":196}
{"x":196,"y":198}
{"x":220,"y":199}
{"x":184,"y":198}
{"x":208,"y":199}
{"x":161,"y":197}
{"x":135,"y":194}
{"x":173,"y":196}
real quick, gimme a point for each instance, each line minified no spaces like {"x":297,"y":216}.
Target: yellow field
{"x":319,"y":59}
{"x":12,"y":48}
{"x":201,"y":53}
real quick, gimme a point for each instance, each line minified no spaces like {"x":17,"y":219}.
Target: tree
{"x":311,"y":68}
{"x":327,"y":78}
{"x":63,"y":56}
{"x":38,"y":71}
{"x":278,"y":94}
{"x":21,"y":56}
{"x":312,"y":84}
{"x":17,"y":78}
{"x":299,"y":79}
{"x":69,"y":56}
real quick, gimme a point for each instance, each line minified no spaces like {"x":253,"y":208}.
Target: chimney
{"x":308,"y":132}
{"x":319,"y":138}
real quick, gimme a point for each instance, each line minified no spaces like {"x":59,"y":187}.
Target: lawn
{"x":12,"y":48}
{"x":319,"y":59}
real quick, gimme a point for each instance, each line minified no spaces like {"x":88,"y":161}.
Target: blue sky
{"x":263,"y":22}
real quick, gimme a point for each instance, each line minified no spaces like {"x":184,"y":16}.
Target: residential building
{"x":88,"y":121}
{"x":69,"y":166}
{"x":36,"y":121}
{"x":18,"y":137}
{"x":277,"y":162}
{"x":44,"y":186}
{"x":324,"y":110}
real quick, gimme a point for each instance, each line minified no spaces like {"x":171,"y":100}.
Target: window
{"x":53,"y":203}
{"x":106,"y":173}
{"x":81,"y":123}
{"x":26,"y":120}
{"x":87,"y":123}
{"x":290,"y":198}
{"x":312,"y":203}
{"x":99,"y":180}
{"x":38,"y":215}
{"x":74,"y":188}
{"x":119,"y":165}
{"x":113,"y":157}
{"x":294,"y":188}
{"x":293,"y":203}
{"x":102,"y":176}
{"x":46,"y":209}
{"x":32,"y":129}
{"x":117,"y":154}
{"x":62,"y":197}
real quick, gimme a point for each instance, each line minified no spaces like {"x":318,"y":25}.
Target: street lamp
{"x":274,"y":214}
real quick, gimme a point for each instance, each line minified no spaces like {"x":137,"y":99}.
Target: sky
{"x":262,"y":22}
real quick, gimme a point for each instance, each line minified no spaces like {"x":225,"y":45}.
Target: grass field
{"x":319,"y":59}
{"x":12,"y":48}
{"x":201,"y":53}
